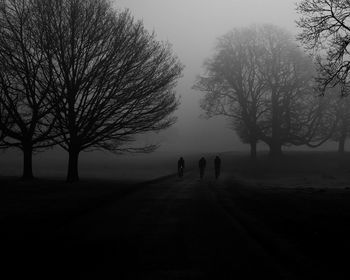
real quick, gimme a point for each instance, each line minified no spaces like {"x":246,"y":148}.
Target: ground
{"x":261,"y":220}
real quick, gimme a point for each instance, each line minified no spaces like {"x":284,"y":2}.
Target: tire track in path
{"x":172,"y":229}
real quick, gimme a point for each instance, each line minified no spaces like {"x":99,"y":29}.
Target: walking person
{"x":202,"y":163}
{"x":217,"y":164}
{"x":180,"y":167}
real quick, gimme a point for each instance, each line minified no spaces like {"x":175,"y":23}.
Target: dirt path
{"x":172,"y":229}
{"x":165,"y":229}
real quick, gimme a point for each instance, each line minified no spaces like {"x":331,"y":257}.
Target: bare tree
{"x":5,"y":121}
{"x":25,"y":81}
{"x":325,"y":27}
{"x":338,"y":111}
{"x":232,"y":84}
{"x":342,"y":130}
{"x":262,"y":82}
{"x":292,"y":115}
{"x":113,"y":78}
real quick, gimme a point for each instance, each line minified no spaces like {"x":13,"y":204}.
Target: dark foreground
{"x":173,"y":229}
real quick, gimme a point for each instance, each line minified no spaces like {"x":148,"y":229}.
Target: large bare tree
{"x":262,"y":82}
{"x":292,"y":115}
{"x":113,"y":79}
{"x":233,"y":86}
{"x":342,"y":113}
{"x":325,"y":28}
{"x":337,"y":110}
{"x":26,"y":121}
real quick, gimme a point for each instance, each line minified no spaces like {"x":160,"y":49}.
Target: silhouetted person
{"x":217,"y":164}
{"x":180,"y":167}
{"x":202,"y":163}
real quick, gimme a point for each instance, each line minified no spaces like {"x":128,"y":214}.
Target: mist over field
{"x":162,"y":139}
{"x":192,"y":28}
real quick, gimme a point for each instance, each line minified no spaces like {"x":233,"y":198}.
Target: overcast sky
{"x":192,"y":27}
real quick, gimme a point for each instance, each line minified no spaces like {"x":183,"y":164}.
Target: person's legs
{"x":217,"y":172}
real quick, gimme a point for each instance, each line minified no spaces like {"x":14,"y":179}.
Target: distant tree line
{"x":265,"y":85}
{"x":81,"y":75}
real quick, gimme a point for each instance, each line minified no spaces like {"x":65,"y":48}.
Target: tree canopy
{"x":26,"y":121}
{"x":262,"y":82}
{"x":325,"y":29}
{"x":113,"y":78}
{"x":87,"y":73}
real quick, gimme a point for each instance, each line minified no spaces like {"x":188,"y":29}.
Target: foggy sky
{"x":192,"y":27}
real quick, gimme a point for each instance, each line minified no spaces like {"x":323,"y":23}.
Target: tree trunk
{"x":341,"y":145}
{"x":276,"y":150}
{"x":27,"y":162}
{"x":253,"y":150}
{"x":72,"y":174}
{"x":275,"y":144}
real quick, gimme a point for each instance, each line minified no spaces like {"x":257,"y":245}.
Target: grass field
{"x":303,"y":198}
{"x":98,"y":165}
{"x":294,"y":169}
